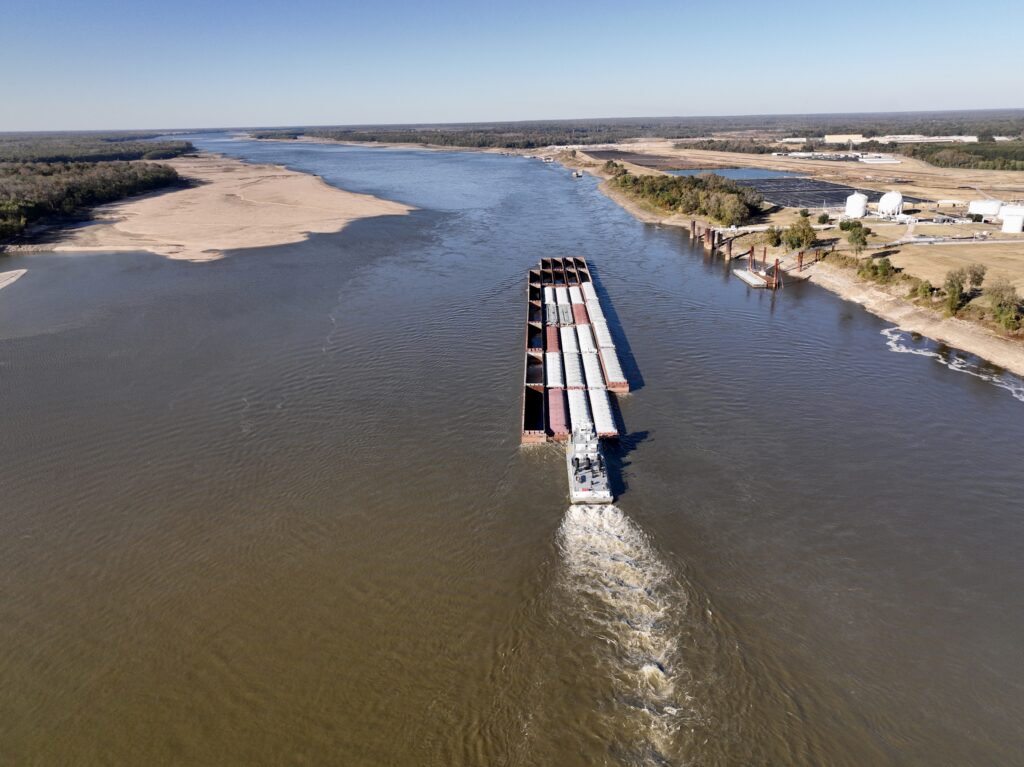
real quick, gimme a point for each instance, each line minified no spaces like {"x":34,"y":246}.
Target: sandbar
{"x":230,"y":205}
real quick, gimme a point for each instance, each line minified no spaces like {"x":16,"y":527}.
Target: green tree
{"x":773,"y":236}
{"x":975,"y":275}
{"x":1005,"y":303}
{"x":804,"y":213}
{"x":954,"y":288}
{"x":858,"y":239}
{"x":924,"y":289}
{"x":823,"y":218}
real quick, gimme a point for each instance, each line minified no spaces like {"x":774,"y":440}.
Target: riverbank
{"x":966,"y":335}
{"x":230,"y":205}
{"x":962,"y":334}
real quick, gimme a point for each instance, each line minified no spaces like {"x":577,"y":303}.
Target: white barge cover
{"x":551,"y":313}
{"x":553,"y":370}
{"x":568,"y":335}
{"x":592,"y":369}
{"x":579,"y":410}
{"x":601,"y":407}
{"x":549,"y":296}
{"x":586,"y":338}
{"x":612,"y":368}
{"x":562,"y":296}
{"x":594,"y":311}
{"x":604,"y":338}
{"x":573,"y":369}
{"x":575,"y":295}
{"x":588,"y":292}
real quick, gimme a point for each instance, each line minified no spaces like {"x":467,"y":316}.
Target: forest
{"x":707,"y":195}
{"x":52,"y":176}
{"x":536,"y":134}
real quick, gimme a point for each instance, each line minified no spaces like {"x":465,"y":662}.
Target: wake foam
{"x":895,"y":337}
{"x":628,"y":598}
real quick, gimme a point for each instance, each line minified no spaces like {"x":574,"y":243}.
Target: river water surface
{"x":273,"y":509}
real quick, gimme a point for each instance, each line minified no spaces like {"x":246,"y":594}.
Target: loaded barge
{"x":571,"y":367}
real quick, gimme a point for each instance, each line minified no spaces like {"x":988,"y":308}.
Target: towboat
{"x":588,"y":475}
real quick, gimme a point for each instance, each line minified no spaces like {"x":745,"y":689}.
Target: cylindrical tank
{"x":891,"y":204}
{"x":1013,"y":224}
{"x":1010,"y":210}
{"x":984,"y":207}
{"x":856,"y":205}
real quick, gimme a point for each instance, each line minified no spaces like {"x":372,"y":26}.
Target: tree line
{"x":707,"y":195}
{"x":59,"y":175}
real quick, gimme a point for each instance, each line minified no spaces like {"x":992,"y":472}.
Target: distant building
{"x":920,"y":138}
{"x":845,"y":138}
{"x":793,"y":140}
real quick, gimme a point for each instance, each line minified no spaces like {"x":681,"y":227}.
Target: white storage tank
{"x":1013,"y":224}
{"x":1010,"y":210}
{"x":891,"y":204}
{"x":856,"y":205}
{"x":984,"y":207}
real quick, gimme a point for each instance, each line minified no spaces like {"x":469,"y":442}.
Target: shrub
{"x":773,"y":236}
{"x":924,"y":289}
{"x":823,"y":218}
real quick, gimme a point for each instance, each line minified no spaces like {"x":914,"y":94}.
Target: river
{"x":273,"y":509}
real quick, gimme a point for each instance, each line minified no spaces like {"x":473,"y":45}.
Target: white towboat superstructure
{"x":588,"y":475}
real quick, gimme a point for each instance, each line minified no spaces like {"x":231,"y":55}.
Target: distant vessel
{"x":588,"y":475}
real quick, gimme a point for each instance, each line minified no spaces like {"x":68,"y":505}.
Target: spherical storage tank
{"x":891,"y":204}
{"x":856,"y":205}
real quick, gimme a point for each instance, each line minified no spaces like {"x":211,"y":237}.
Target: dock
{"x":571,"y":366}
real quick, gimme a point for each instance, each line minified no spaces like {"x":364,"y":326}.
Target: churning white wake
{"x":895,"y":337}
{"x":628,"y":598}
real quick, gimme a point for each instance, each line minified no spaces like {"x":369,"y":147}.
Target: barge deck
{"x":571,"y":364}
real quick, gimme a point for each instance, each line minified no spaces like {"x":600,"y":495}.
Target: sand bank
{"x":966,"y":336}
{"x":231,"y":205}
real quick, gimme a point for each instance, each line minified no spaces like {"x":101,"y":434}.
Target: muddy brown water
{"x":273,"y":509}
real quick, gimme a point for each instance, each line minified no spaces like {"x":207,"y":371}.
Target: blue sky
{"x":98,"y":64}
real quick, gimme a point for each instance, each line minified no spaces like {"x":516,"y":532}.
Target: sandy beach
{"x":231,"y":205}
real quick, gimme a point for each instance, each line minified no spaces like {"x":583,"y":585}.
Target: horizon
{"x":525,"y":122}
{"x":401,"y":64}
